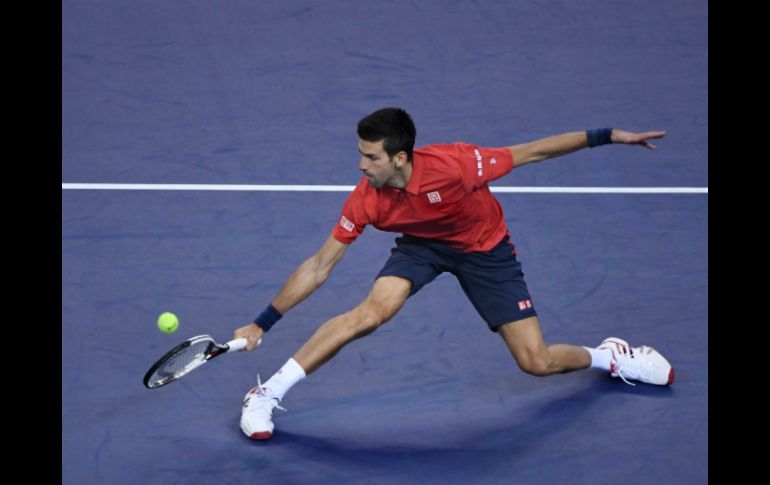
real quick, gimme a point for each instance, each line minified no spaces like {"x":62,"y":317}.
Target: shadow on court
{"x":461,"y":451}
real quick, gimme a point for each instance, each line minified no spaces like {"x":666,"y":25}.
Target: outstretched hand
{"x":252,"y":333}
{"x":628,"y":138}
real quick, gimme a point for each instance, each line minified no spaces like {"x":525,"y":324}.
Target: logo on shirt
{"x":524,"y":304}
{"x":479,"y":166}
{"x":434,"y":197}
{"x":493,"y":161}
{"x":346,"y":224}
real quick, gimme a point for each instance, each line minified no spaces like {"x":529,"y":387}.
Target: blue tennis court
{"x":268,"y":94}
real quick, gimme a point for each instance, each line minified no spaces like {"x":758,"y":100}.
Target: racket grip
{"x":239,"y":343}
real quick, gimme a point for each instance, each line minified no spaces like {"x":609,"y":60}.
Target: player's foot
{"x":257,"y":413}
{"x":643,"y":364}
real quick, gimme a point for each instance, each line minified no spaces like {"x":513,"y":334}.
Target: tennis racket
{"x":187,"y":356}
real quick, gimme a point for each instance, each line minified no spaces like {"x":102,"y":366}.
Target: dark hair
{"x":393,"y":125}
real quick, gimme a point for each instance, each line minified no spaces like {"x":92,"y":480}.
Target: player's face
{"x":377,"y":166}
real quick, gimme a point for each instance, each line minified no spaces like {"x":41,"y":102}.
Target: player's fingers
{"x":249,"y":342}
{"x":253,"y":343}
{"x":239,"y":334}
{"x":655,"y":134}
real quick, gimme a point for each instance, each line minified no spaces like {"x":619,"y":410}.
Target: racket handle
{"x":239,"y":343}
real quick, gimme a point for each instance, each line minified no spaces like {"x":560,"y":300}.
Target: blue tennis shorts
{"x":492,"y":280}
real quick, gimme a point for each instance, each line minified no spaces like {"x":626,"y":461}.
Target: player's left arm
{"x":558,"y":145}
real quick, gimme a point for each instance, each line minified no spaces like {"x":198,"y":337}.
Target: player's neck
{"x":401,"y":178}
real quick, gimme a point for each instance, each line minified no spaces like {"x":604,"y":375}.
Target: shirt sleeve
{"x":354,"y":217}
{"x":483,"y":165}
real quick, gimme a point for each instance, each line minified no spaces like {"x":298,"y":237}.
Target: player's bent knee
{"x":534,"y":364}
{"x":536,"y":368}
{"x":364,"y":320}
{"x":368,"y":322}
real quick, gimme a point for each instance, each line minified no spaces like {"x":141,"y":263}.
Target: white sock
{"x":288,"y":375}
{"x":600,"y":358}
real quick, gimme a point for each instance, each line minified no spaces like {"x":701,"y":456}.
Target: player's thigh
{"x":523,"y":337}
{"x":388,"y":295}
{"x":414,"y":261}
{"x":494,"y":283}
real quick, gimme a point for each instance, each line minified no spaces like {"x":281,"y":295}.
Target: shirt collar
{"x":413,"y":187}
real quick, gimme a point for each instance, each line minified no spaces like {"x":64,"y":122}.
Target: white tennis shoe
{"x":643,"y":364}
{"x":257,"y":413}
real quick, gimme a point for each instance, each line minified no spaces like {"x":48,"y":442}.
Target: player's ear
{"x":400,"y":159}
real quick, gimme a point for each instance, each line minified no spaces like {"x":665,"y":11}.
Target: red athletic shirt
{"x":447,"y":198}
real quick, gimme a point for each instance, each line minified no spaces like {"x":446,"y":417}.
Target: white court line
{"x":229,"y":187}
{"x":348,"y":188}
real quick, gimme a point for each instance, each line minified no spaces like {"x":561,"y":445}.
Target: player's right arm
{"x":310,"y":275}
{"x":307,"y":278}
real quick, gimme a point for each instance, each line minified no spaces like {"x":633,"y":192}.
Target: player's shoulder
{"x":361,"y":202}
{"x":366,"y":196}
{"x":453,"y":148}
{"x":444,"y":155}
{"x":436,"y":151}
{"x":439,"y":164}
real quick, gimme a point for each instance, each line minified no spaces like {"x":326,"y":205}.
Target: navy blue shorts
{"x":492,"y":280}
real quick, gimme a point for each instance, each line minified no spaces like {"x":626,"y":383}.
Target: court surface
{"x":269,"y":93}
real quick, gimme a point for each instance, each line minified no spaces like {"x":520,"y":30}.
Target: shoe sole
{"x":261,"y":435}
{"x":668,"y":382}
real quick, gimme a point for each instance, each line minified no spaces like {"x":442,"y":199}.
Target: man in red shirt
{"x":437,"y":196}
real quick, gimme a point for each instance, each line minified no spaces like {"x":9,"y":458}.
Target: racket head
{"x":181,"y":360}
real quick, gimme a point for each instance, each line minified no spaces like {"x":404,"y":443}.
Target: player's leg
{"x":525,"y":341}
{"x":386,"y":298}
{"x":613,"y":355}
{"x":407,"y":270}
{"x":388,"y":295}
{"x":411,"y":265}
{"x":494,"y":282}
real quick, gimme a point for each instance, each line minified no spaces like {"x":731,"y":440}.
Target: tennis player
{"x":438,"y":198}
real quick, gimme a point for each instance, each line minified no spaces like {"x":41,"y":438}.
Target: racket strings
{"x":181,"y":363}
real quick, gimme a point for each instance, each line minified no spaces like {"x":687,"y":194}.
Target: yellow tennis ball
{"x":168,"y":323}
